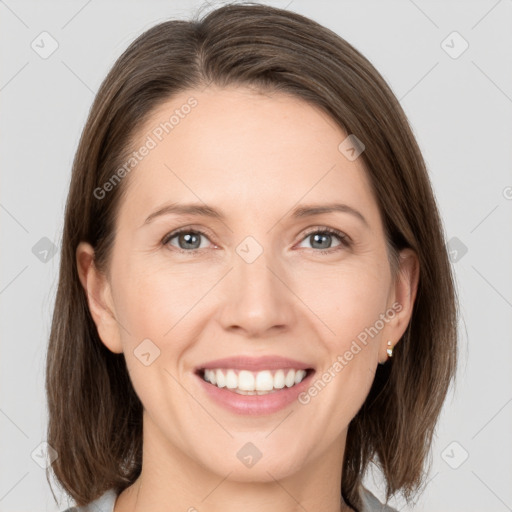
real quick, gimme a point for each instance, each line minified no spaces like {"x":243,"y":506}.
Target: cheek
{"x":351,"y":305}
{"x":153,"y":300}
{"x":357,"y":299}
{"x":347,"y":299}
{"x":154,"y":307}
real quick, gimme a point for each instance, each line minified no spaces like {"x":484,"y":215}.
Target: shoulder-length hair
{"x":95,"y":416}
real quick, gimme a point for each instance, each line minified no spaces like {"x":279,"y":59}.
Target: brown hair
{"x":95,"y":416}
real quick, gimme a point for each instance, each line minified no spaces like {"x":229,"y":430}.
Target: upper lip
{"x":255,"y":363}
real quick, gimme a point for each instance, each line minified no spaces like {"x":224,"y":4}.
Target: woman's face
{"x":253,"y":277}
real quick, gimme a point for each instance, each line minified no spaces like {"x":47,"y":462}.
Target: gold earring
{"x":389,"y":350}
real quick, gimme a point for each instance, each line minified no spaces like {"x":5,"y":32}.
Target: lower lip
{"x":255,"y":404}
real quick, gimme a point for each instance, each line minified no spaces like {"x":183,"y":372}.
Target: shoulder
{"x":105,"y":503}
{"x":372,"y":504}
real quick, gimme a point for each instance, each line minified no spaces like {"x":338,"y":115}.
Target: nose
{"x":258,"y":300}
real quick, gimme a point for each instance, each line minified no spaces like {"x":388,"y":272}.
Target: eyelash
{"x":345,"y":241}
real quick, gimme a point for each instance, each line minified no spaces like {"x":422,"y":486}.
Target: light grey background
{"x":460,"y":110}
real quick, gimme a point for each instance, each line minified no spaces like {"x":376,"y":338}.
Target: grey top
{"x":105,"y":503}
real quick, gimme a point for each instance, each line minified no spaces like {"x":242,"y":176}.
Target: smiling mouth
{"x":245,"y":382}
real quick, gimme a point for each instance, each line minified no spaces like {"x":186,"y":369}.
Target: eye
{"x":321,"y":238}
{"x":188,"y":240}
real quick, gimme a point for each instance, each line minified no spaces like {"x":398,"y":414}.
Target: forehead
{"x":258,"y":150}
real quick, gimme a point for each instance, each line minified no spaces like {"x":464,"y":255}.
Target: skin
{"x":255,"y":157}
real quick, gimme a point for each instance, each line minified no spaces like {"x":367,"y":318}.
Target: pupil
{"x":324,"y":236}
{"x":189,"y":239}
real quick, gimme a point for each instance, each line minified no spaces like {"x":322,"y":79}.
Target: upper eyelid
{"x":332,"y":231}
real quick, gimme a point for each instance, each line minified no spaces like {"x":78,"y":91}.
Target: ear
{"x":99,"y":297}
{"x":402,"y":299}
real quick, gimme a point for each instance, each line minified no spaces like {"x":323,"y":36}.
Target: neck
{"x":172,"y":479}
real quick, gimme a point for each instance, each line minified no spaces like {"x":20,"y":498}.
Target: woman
{"x":255,"y":301}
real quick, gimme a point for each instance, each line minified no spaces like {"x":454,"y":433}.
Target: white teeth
{"x":290,"y":379}
{"x":245,"y":381}
{"x":279,"y":379}
{"x":264,"y":381}
{"x":251,"y":383}
{"x":221,"y":380}
{"x":231,"y":380}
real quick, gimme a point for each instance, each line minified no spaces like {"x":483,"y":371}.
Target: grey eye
{"x":187,"y":240}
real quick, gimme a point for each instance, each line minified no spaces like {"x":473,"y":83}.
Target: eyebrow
{"x":206,"y":211}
